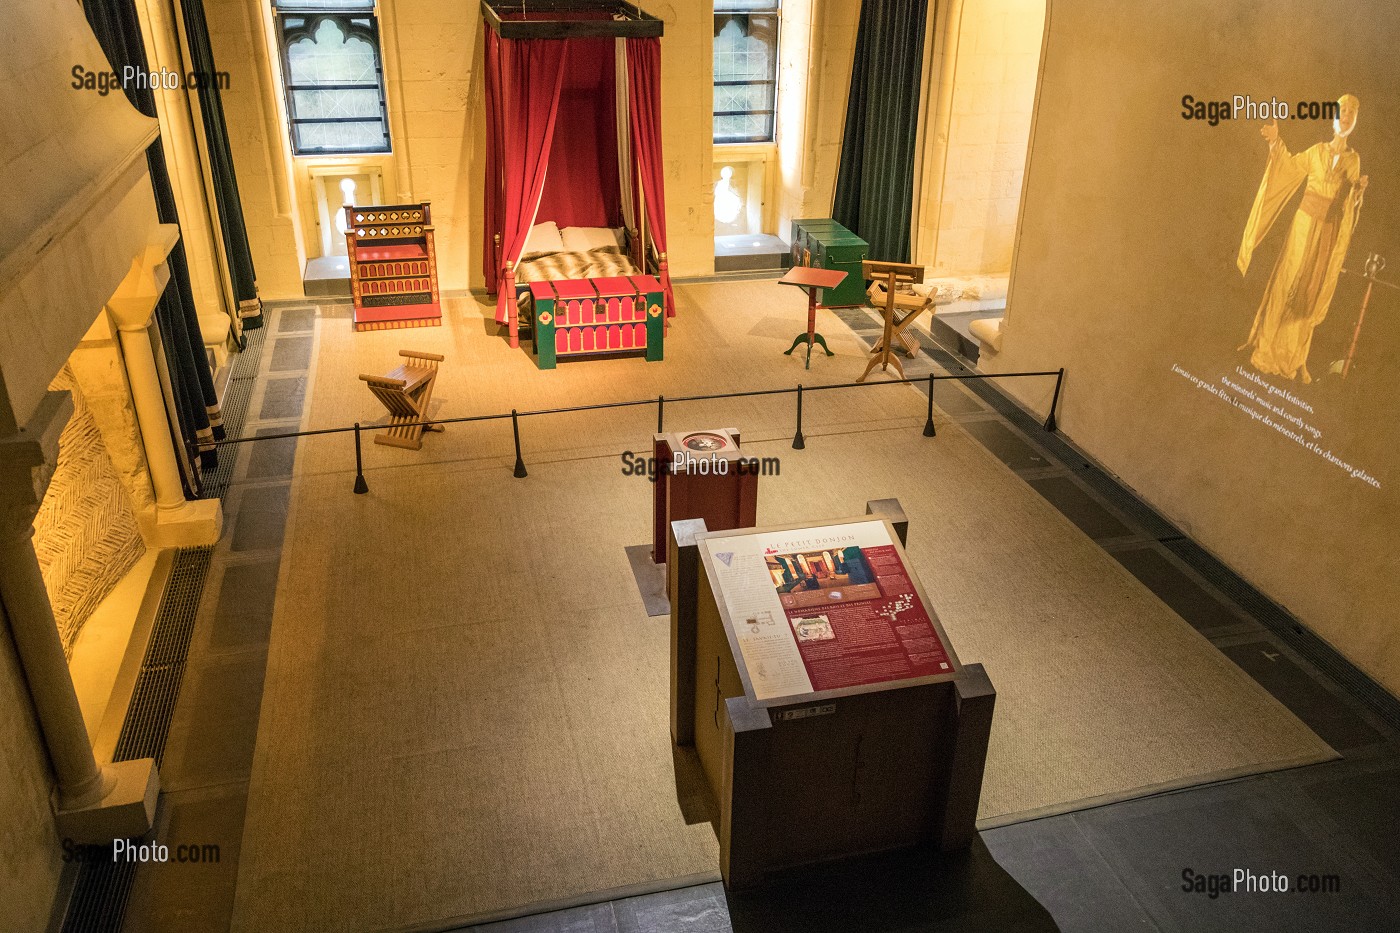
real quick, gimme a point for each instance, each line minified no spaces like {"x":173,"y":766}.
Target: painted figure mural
{"x":1300,"y":288}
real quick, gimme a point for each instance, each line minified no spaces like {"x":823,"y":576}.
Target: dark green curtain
{"x":211,"y":108}
{"x":191,"y":383}
{"x":875,"y":181}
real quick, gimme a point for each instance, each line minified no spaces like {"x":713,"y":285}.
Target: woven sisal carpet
{"x":466,"y":705}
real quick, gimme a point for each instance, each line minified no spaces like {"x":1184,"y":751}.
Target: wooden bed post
{"x":641,"y":218}
{"x":513,"y":322}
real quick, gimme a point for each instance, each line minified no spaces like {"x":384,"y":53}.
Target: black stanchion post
{"x":928,"y":425}
{"x":520,"y":472}
{"x":1055,"y":401}
{"x":798,"y":441}
{"x":361,"y":487}
{"x":660,"y":414}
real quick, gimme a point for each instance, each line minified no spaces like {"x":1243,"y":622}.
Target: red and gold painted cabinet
{"x":597,"y":317}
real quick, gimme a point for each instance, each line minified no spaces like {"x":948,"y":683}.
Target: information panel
{"x":823,"y":608}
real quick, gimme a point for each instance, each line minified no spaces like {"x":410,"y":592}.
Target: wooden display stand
{"x":888,"y":276}
{"x":840,"y":722}
{"x":907,"y":308}
{"x":406,"y":393}
{"x":813,"y":282}
{"x":727,"y":499}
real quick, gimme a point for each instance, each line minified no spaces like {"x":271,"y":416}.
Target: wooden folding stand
{"x":907,"y":307}
{"x":890,"y":275}
{"x":406,"y":393}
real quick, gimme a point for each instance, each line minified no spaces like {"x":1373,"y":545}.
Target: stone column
{"x":179,"y":521}
{"x":93,"y":803}
{"x":144,"y":379}
{"x":80,"y":781}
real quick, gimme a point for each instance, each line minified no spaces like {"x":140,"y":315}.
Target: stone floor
{"x":1113,"y":868}
{"x":209,"y":751}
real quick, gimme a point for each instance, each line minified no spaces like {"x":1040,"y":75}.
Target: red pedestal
{"x":701,"y":474}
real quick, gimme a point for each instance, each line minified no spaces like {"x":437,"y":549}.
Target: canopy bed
{"x":574,"y":195}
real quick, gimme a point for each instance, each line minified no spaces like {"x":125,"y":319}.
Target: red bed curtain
{"x":581,"y":188}
{"x":523,"y":78}
{"x":644,"y":113}
{"x":495,"y":131}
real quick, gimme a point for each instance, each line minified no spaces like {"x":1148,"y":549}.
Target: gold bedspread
{"x":594,"y":264}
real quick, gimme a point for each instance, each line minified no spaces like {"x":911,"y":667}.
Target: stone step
{"x":327,"y":276}
{"x":749,"y":252}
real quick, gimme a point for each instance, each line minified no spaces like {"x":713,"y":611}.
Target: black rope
{"x":1059,"y":373}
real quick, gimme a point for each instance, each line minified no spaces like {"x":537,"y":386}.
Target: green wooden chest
{"x":825,"y":244}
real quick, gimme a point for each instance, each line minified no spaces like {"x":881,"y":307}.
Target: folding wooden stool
{"x":406,"y":393}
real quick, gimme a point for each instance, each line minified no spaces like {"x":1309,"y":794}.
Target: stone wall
{"x":30,"y":852}
{"x":991,"y":55}
{"x":1125,"y":274}
{"x":100,"y":375}
{"x":432,"y":53}
{"x":814,"y":82}
{"x":85,"y":533}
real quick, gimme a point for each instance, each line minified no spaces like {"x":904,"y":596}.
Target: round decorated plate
{"x":705,"y":441}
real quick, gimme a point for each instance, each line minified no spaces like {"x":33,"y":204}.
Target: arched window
{"x":333,"y":76}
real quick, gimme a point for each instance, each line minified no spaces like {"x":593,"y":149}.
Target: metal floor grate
{"x":148,"y":718}
{"x":170,"y":641}
{"x":99,"y":897}
{"x":153,"y":702}
{"x":101,"y":890}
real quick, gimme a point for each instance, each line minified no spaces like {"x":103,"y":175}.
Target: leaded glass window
{"x":746,"y":70}
{"x":333,"y":76}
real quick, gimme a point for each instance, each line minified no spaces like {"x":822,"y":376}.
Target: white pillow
{"x":543,"y":238}
{"x":582,"y":239}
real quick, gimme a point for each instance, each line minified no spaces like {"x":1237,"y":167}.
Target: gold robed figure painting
{"x":1305,"y":275}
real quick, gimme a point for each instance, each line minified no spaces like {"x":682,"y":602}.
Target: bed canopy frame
{"x":573,"y":131}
